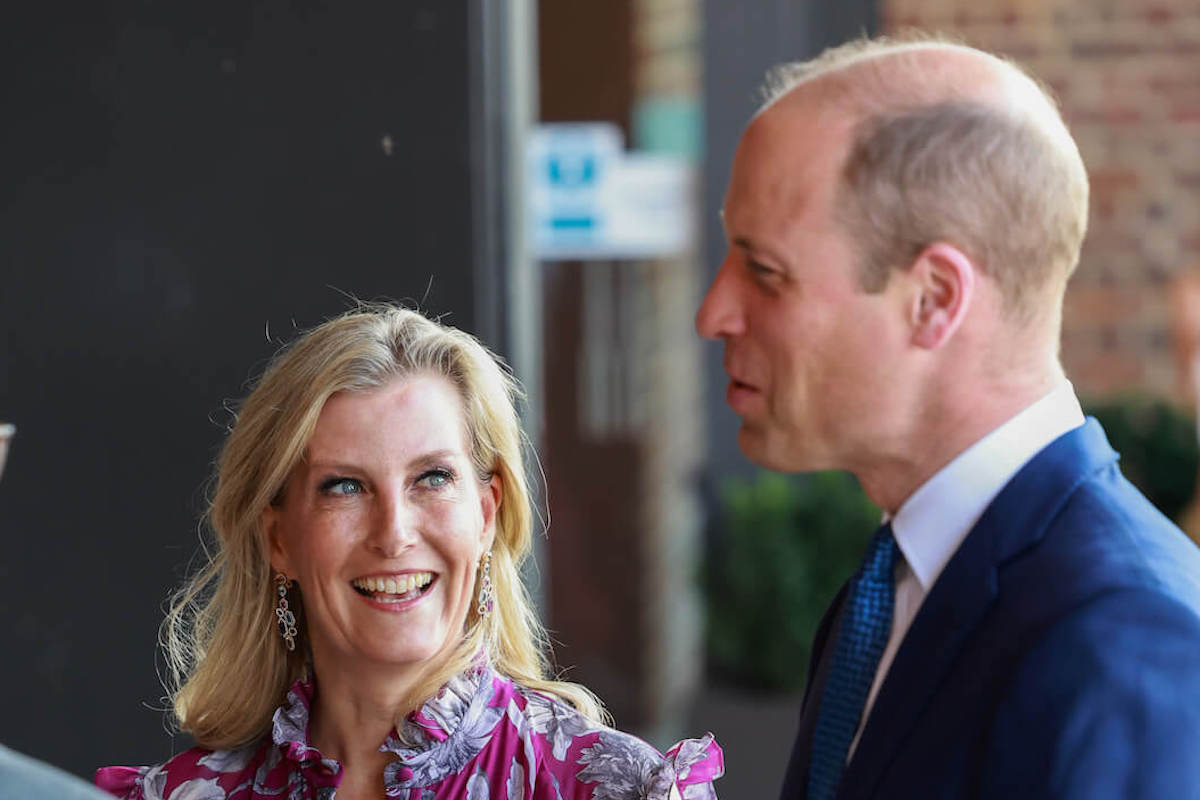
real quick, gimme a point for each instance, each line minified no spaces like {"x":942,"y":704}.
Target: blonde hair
{"x":978,"y":157}
{"x":228,"y":668}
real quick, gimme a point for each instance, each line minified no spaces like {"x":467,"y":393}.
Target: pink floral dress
{"x":482,"y":738}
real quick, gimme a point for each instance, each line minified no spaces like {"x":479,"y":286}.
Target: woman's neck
{"x":355,"y":710}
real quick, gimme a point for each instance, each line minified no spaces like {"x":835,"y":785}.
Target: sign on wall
{"x":589,"y":199}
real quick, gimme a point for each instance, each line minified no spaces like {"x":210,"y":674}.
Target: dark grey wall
{"x":181,"y":181}
{"x":741,"y":41}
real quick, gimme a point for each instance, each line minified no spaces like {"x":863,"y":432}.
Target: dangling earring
{"x":484,"y":603}
{"x":283,"y":615}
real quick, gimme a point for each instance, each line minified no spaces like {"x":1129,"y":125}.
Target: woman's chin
{"x":409,"y":650}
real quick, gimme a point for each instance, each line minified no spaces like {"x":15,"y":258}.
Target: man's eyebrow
{"x":751,"y":248}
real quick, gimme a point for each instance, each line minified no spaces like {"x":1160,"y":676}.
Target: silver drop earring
{"x":484,"y":602}
{"x":283,"y":615}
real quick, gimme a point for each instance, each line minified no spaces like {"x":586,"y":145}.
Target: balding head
{"x":873,"y":76}
{"x":947,"y":144}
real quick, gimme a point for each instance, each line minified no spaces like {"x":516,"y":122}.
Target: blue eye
{"x":436,"y":478}
{"x":342,"y":486}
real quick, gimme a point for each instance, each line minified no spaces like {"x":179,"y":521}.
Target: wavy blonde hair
{"x":228,"y":668}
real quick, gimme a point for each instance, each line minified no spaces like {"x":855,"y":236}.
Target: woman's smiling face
{"x":382,"y":526}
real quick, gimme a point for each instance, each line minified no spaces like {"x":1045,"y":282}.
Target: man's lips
{"x":740,"y":395}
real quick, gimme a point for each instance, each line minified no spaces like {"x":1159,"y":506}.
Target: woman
{"x":371,"y":515}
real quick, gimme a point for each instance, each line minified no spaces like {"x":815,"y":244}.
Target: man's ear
{"x":944,"y":278}
{"x":490,"y":497}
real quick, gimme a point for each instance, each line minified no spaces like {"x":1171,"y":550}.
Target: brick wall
{"x":1127,"y":74}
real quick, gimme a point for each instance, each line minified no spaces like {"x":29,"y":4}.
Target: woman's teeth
{"x":394,"y":590}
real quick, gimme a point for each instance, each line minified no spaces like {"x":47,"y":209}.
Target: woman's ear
{"x":272,"y":530}
{"x":945,"y":279}
{"x":490,"y":497}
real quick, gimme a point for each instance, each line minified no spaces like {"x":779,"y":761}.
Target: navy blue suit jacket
{"x":1057,"y":655}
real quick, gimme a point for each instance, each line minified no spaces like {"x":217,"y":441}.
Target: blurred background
{"x":187,"y":185}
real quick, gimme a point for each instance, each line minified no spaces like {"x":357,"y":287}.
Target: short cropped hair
{"x":931,"y":160}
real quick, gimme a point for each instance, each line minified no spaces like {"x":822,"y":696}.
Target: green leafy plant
{"x":1157,"y":443}
{"x":788,"y":544}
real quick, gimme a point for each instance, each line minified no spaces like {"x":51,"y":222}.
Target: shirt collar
{"x":937,"y":517}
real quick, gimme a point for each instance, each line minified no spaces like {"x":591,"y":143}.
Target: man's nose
{"x":719,"y":315}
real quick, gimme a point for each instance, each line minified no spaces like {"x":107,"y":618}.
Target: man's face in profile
{"x":808,"y":352}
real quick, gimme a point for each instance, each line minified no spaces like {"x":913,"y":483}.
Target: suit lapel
{"x":1016,"y":520}
{"x":795,"y":782}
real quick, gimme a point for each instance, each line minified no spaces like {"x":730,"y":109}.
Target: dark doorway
{"x":184,"y":184}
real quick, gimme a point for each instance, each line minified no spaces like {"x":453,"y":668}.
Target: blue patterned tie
{"x":862,"y":635}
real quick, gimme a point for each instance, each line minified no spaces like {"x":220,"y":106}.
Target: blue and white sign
{"x":591,"y":200}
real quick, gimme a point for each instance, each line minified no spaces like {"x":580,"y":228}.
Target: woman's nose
{"x":393,"y":530}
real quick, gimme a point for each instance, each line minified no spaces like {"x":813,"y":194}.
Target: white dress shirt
{"x":937,"y":517}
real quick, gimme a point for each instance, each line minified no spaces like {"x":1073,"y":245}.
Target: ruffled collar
{"x":289,"y":730}
{"x":433,"y":742}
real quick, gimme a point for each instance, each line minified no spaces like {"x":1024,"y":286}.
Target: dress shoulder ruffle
{"x":697,"y":763}
{"x":588,"y":761}
{"x":127,"y":783}
{"x":194,"y":774}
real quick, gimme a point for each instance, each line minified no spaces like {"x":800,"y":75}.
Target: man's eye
{"x":341,"y":486}
{"x":436,"y":478}
{"x":758,"y":269}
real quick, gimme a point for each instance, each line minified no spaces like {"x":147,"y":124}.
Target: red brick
{"x":1022,"y":52}
{"x":1183,"y":48}
{"x":1107,"y":186}
{"x":1107,"y":49}
{"x":1107,"y":241}
{"x":1091,"y":306}
{"x":1115,"y":115}
{"x":1190,"y":240}
{"x":1059,"y":87}
{"x":1177,"y":89}
{"x":1159,"y":15}
{"x":1106,"y":373}
{"x":1113,"y":180}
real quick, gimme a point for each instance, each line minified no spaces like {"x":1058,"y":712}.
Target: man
{"x":902,"y":220}
{"x":21,"y":777}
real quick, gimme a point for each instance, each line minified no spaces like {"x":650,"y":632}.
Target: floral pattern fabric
{"x":481,"y":738}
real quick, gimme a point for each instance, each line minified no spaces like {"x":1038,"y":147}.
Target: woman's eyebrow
{"x":444,"y":454}
{"x":333,"y":466}
{"x":419,"y":460}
